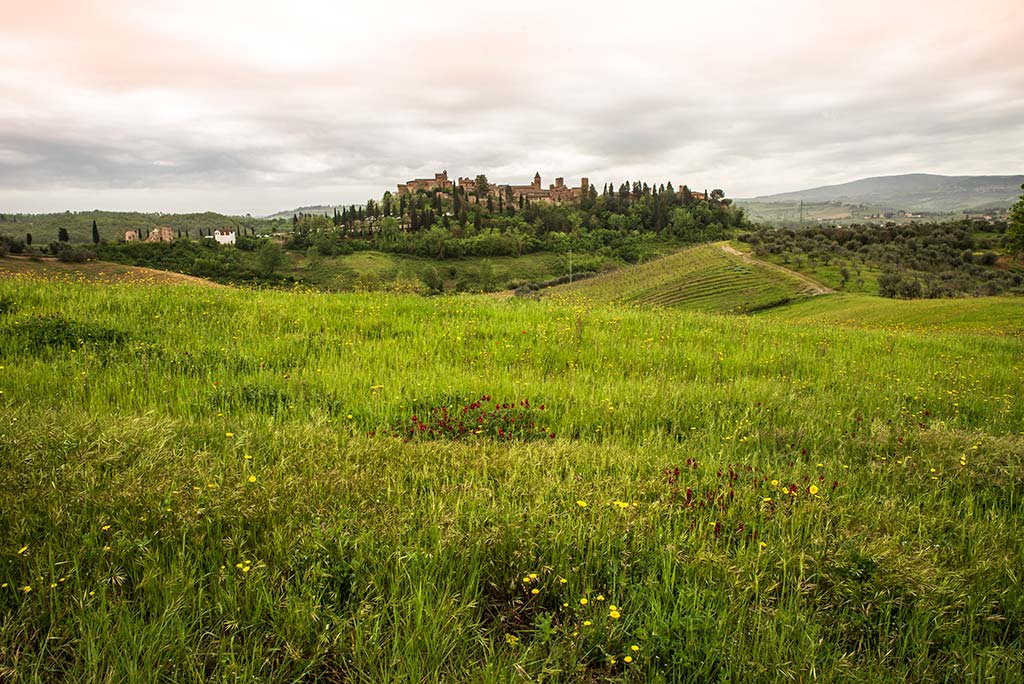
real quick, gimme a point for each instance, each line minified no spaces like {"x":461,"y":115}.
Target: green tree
{"x":270,"y":258}
{"x":482,"y":187}
{"x":1015,"y":233}
{"x":95,"y":234}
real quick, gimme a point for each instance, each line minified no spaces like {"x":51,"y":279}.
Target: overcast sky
{"x":246,"y":107}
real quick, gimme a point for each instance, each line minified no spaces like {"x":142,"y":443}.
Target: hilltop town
{"x":479,"y":187}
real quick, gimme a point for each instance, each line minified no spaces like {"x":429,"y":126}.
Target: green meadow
{"x":211,"y":484}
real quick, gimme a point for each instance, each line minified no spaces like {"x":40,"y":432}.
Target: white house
{"x":224,"y":237}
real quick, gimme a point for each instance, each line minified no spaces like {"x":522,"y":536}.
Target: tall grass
{"x":201,"y":484}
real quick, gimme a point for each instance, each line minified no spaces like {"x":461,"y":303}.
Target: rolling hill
{"x":711,"y":277}
{"x":912,"y":192}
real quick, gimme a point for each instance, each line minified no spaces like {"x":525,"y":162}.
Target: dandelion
{"x":764,"y":545}
{"x":27,"y":588}
{"x":252,"y":478}
{"x":813,"y":489}
{"x":229,"y":434}
{"x":613,"y":661}
{"x":535,"y":591}
{"x":614,"y":615}
{"x":533,"y":575}
{"x":627,"y":659}
{"x":526,"y":580}
{"x":600,"y":597}
{"x":105,"y":528}
{"x":562,"y":580}
{"x":581,"y":503}
{"x":775,"y":483}
{"x":3,"y":586}
{"x":248,"y":457}
{"x":583,"y":601}
{"x":785,"y":490}
{"x":587,"y":623}
{"x":634,"y":648}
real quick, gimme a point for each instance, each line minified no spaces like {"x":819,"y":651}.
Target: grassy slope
{"x":150,"y":542}
{"x":698,"y":278}
{"x":991,"y":315}
{"x":92,"y":272}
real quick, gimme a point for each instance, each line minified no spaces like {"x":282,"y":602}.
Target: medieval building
{"x":438,"y":182}
{"x":534,"y":192}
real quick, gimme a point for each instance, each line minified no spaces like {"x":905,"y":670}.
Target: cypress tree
{"x":95,"y":233}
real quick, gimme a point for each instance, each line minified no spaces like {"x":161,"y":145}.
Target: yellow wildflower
{"x":627,"y":659}
{"x":581,"y":503}
{"x":813,"y":489}
{"x":252,"y":478}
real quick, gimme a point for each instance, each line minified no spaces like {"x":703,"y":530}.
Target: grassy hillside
{"x":113,"y":224}
{"x":706,"y":278}
{"x":206,"y":484}
{"x":979,"y":315}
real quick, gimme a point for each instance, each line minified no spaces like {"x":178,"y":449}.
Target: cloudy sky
{"x":250,"y":107}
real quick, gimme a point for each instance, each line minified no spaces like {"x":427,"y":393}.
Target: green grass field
{"x":971,"y":315}
{"x":702,"y":278}
{"x":209,"y":484}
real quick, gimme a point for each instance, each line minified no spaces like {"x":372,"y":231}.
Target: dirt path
{"x":813,"y":287}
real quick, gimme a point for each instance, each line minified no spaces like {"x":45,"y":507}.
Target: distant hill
{"x":320,"y":209}
{"x":912,"y":192}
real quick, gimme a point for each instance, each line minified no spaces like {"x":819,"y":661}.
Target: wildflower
{"x":600,"y":597}
{"x":821,"y":465}
{"x":613,"y":661}
{"x":23,"y":549}
{"x":562,"y":580}
{"x":3,"y":586}
{"x":535,"y":591}
{"x":614,"y":615}
{"x":587,"y":623}
{"x":252,"y":478}
{"x":533,"y":575}
{"x":247,"y":457}
{"x":634,"y":648}
{"x":785,"y":490}
{"x":581,"y":504}
{"x":764,"y":545}
{"x":775,"y":483}
{"x":767,"y":499}
{"x":813,"y":489}
{"x":627,"y":659}
{"x":583,"y":601}
{"x":27,"y":588}
{"x":229,"y":434}
{"x":565,"y":605}
{"x":526,"y":580}
{"x":105,"y":528}
{"x":511,"y":639}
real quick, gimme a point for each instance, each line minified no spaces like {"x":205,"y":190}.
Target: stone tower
{"x":536,"y":181}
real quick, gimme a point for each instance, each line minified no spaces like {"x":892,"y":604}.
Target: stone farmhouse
{"x":158,"y":234}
